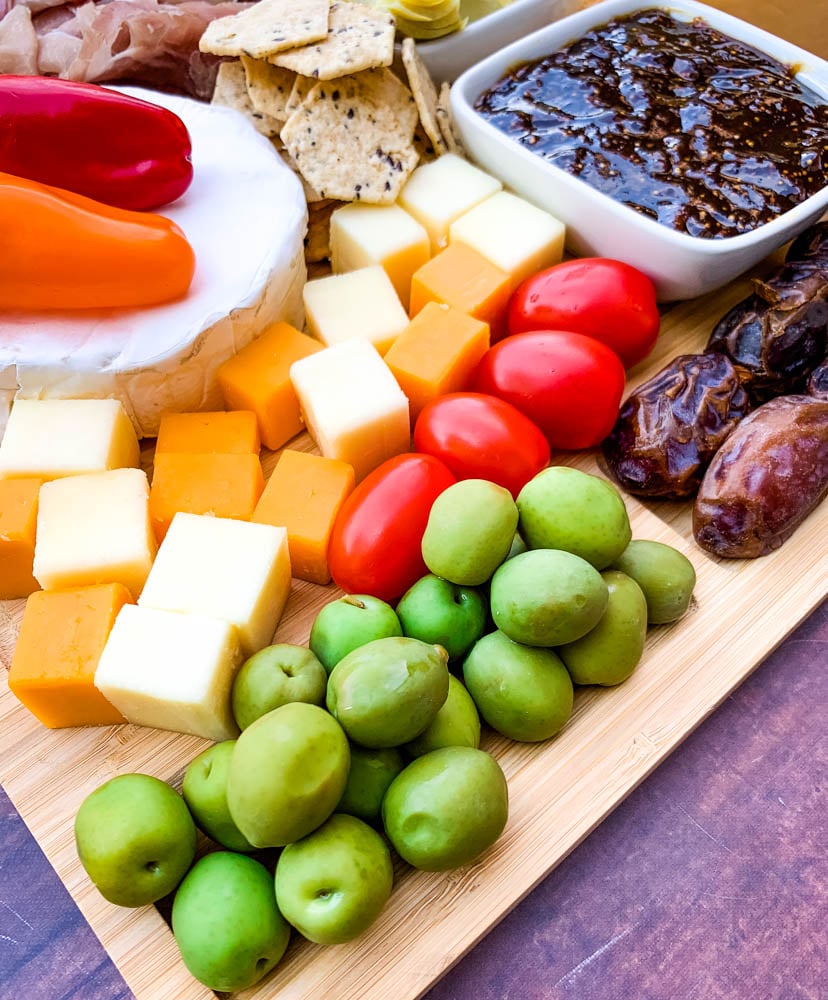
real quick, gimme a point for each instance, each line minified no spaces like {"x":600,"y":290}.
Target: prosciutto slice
{"x":152,"y":42}
{"x":18,"y":40}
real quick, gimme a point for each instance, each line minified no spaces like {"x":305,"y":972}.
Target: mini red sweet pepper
{"x":112,"y":147}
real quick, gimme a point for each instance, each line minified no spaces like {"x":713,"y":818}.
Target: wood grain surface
{"x":559,"y":790}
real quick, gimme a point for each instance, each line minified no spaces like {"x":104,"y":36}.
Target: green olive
{"x":664,"y":574}
{"x":609,"y":653}
{"x":388,"y":691}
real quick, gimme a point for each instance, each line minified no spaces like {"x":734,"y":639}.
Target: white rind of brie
{"x":245,"y":216}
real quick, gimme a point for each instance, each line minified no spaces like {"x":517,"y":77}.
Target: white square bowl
{"x":681,"y":266}
{"x":447,"y":57}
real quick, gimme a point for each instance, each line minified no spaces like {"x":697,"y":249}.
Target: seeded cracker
{"x":358,"y":38}
{"x":268,"y":87}
{"x":425,"y":94}
{"x":267,"y":27}
{"x":352,"y":138}
{"x":423,"y":145}
{"x":302,"y":86}
{"x":446,"y":122}
{"x":231,"y":92}
{"x":312,"y":196}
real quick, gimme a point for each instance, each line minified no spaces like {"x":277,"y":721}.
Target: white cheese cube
{"x":50,"y":438}
{"x":94,"y":528}
{"x":362,"y":235}
{"x":439,"y":192}
{"x":513,"y":234}
{"x":171,"y":671}
{"x":361,"y":304}
{"x":352,"y":405}
{"x":225,"y":568}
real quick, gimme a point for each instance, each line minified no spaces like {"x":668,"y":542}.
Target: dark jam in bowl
{"x":678,"y":121}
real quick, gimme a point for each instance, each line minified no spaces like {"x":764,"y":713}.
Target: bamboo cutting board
{"x":559,"y":790}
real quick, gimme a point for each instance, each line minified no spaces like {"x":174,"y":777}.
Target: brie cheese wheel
{"x":245,"y":216}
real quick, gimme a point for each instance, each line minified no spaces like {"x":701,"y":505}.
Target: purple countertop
{"x":709,"y":882}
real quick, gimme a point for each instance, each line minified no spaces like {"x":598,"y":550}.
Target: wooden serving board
{"x":559,"y":790}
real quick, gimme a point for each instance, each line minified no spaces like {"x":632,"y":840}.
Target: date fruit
{"x":818,"y":382}
{"x":765,"y":479}
{"x":671,"y":426}
{"x":779,"y":333}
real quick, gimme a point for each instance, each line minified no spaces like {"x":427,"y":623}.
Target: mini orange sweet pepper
{"x":60,"y":250}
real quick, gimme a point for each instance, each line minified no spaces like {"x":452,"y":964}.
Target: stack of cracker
{"x":315,"y":77}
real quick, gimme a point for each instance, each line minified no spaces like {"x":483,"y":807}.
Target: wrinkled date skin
{"x":671,"y":426}
{"x":818,"y":382}
{"x":779,"y":333}
{"x":765,"y":479}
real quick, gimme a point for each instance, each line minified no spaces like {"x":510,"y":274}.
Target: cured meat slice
{"x":152,"y":42}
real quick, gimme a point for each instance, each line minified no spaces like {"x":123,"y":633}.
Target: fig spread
{"x":680,"y":122}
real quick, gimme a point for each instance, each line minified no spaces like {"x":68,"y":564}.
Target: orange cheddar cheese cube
{"x":229,"y":432}
{"x":61,"y":639}
{"x":461,"y":277}
{"x":304,"y":495}
{"x":223,"y":485}
{"x":437,"y":353}
{"x":18,"y":529}
{"x":258,"y":379}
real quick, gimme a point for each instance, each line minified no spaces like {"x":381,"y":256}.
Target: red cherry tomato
{"x":602,"y":298}
{"x":482,"y":437}
{"x":375,"y":545}
{"x":569,"y":384}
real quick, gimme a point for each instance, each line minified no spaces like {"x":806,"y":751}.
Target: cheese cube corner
{"x":172,"y":671}
{"x":515,"y":235}
{"x":258,"y":379}
{"x":437,"y":353}
{"x":225,"y":485}
{"x":94,"y":528}
{"x":18,"y":529}
{"x":353,"y":406}
{"x":224,"y":431}
{"x":304,"y":493}
{"x":363,"y":235}
{"x":461,"y":277}
{"x":439,"y":192}
{"x":62,"y":637}
{"x":224,"y":568}
{"x":51,"y":438}
{"x":361,"y":304}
